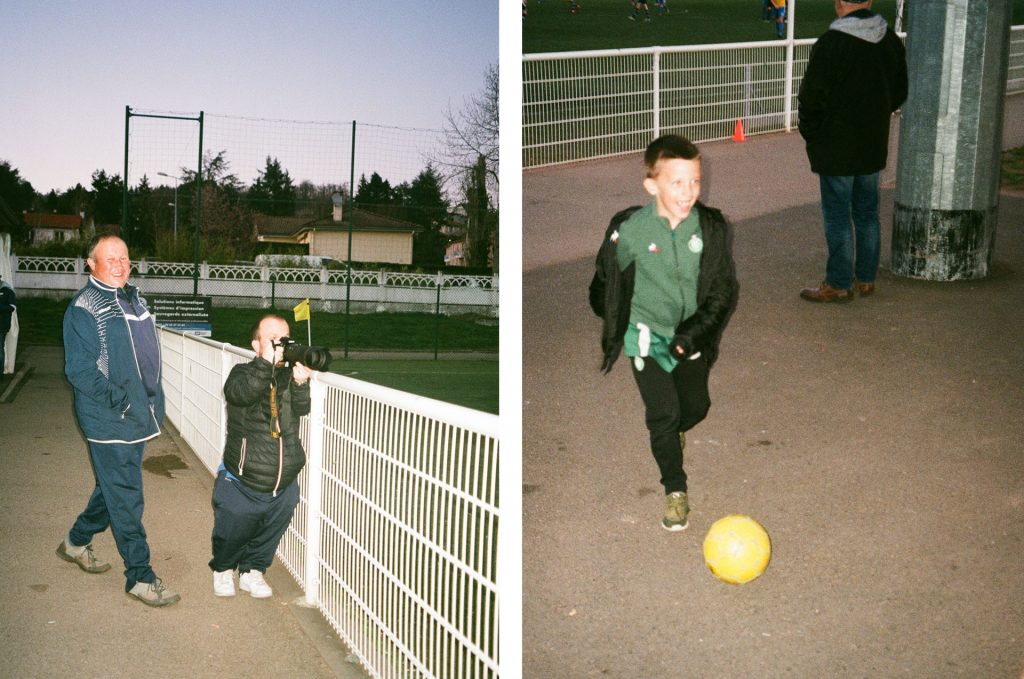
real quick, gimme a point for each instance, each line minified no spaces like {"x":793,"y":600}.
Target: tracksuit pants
{"x":674,"y":402}
{"x":117,"y":503}
{"x":248,"y":524}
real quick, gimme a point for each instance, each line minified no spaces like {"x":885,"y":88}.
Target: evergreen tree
{"x":481,"y":219}
{"x":107,"y":198}
{"x":273,"y":192}
{"x":423,"y":203}
{"x":18,"y":195}
{"x":142,"y":219}
{"x":375,"y":194}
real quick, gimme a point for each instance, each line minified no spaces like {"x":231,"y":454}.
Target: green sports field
{"x":469,"y":383}
{"x":605,"y":24}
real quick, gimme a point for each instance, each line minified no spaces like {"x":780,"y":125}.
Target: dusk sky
{"x":72,"y":67}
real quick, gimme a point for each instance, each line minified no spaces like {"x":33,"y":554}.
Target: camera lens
{"x":314,"y":358}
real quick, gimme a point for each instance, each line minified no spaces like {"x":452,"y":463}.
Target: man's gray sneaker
{"x":83,"y":556}
{"x":154,"y":593}
{"x":677,"y":509}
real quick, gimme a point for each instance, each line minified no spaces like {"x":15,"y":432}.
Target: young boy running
{"x":665,"y":286}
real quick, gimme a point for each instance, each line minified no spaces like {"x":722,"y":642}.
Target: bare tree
{"x":471,"y":133}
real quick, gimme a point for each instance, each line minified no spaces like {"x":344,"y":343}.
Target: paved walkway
{"x":879,"y":443}
{"x":58,"y":621}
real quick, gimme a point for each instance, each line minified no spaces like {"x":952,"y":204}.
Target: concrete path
{"x":58,"y":621}
{"x":878,"y":442}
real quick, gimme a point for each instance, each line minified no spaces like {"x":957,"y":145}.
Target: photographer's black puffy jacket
{"x":611,"y":291}
{"x":251,"y":453}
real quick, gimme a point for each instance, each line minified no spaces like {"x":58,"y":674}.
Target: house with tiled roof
{"x":375,"y":237}
{"x":49,"y":226}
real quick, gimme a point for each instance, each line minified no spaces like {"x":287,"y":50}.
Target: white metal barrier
{"x":594,"y":104}
{"x":395,"y":536}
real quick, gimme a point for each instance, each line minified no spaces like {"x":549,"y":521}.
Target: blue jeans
{"x":843,"y":198}
{"x":117,"y":503}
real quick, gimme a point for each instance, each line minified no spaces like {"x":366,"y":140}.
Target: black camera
{"x":314,"y":358}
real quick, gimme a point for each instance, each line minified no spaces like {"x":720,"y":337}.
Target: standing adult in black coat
{"x":856,"y":78}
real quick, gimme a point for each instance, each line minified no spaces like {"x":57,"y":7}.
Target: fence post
{"x":204,"y":274}
{"x":314,"y":489}
{"x":437,"y":313}
{"x":748,"y":93}
{"x":181,"y":387}
{"x":656,"y":74}
{"x":787,"y":108}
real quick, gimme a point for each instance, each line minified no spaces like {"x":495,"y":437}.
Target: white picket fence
{"x":594,"y":104}
{"x":248,"y":285}
{"x":395,"y":536}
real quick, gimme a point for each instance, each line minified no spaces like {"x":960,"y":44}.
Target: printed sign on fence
{"x":183,"y":312}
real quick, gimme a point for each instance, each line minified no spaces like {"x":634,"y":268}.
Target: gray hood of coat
{"x":870,"y":28}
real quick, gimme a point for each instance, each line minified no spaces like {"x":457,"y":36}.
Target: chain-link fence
{"x":222,"y":188}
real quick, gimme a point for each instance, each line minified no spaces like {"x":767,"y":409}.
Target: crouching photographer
{"x":256,"y":490}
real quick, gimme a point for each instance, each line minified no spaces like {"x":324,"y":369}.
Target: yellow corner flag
{"x":302,"y":310}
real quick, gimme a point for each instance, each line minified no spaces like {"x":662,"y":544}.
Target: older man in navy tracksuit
{"x":112,"y":359}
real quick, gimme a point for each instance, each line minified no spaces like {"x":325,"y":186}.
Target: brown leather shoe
{"x":826,"y":293}
{"x":864,"y":289}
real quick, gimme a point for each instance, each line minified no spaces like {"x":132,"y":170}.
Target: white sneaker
{"x":253,"y":583}
{"x":224,"y":583}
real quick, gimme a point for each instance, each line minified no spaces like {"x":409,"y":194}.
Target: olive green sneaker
{"x":677,"y":509}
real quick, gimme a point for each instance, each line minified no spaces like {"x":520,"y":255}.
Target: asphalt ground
{"x":879,"y":443}
{"x":58,"y":621}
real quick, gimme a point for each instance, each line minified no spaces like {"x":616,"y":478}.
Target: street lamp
{"x":175,"y":203}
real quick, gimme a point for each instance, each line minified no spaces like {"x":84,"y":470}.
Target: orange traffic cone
{"x":737,"y":134}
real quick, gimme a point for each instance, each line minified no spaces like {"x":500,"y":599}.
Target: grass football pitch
{"x":466,"y":382}
{"x":605,"y":24}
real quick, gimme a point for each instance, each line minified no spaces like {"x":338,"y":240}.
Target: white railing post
{"x":226,"y":364}
{"x":787,"y":106}
{"x":656,"y":84}
{"x":181,"y":385}
{"x":314,"y":490}
{"x":748,"y":93}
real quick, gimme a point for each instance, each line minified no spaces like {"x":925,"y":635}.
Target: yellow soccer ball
{"x":737,"y":549}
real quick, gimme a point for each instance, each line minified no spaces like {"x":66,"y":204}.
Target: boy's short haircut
{"x":667,"y":147}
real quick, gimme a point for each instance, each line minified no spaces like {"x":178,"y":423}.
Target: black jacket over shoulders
{"x":611,"y":291}
{"x":251,"y":453}
{"x":848,"y":93}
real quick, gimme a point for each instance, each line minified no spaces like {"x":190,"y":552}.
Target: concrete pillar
{"x":947,"y":180}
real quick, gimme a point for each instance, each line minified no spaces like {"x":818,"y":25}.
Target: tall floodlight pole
{"x":175,"y":203}
{"x":947,"y":178}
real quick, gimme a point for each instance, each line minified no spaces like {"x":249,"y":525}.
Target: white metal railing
{"x":1015,"y":65}
{"x":395,"y":536}
{"x":252,"y":285}
{"x":595,"y":104}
